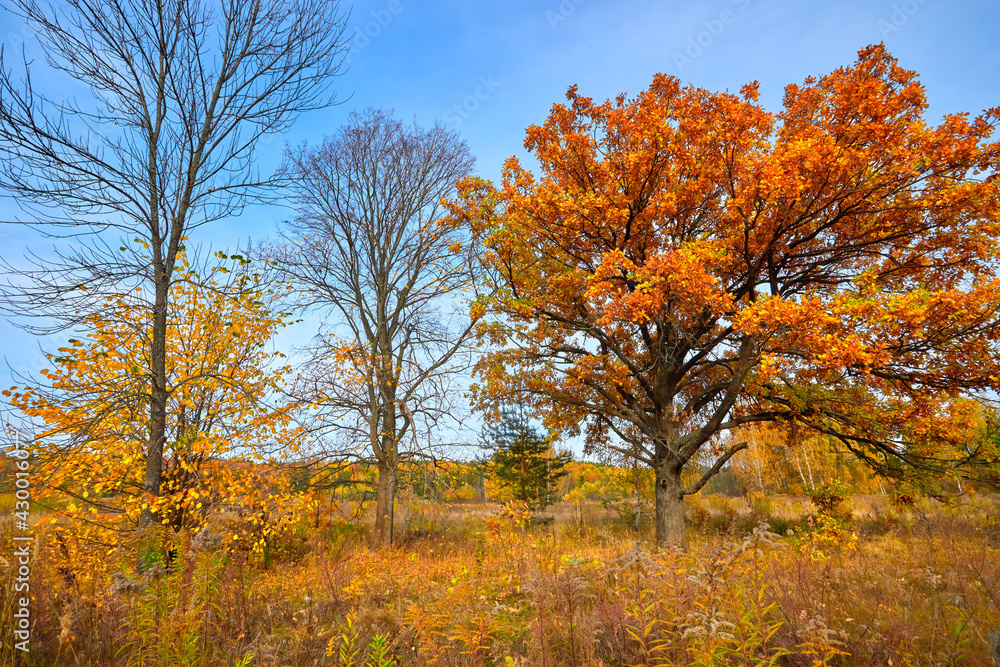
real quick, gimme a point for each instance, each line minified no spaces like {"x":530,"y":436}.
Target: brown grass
{"x":767,"y":581}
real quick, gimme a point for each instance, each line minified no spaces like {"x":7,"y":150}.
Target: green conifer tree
{"x":522,"y":462}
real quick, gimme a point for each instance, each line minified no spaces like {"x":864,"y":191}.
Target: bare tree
{"x":182,"y":93}
{"x":370,"y":245}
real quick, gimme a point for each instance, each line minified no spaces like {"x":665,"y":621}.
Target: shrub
{"x":829,"y":498}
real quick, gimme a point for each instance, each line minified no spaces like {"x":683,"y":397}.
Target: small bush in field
{"x":718,"y":502}
{"x":780,"y":526}
{"x":699,"y":517}
{"x":829,"y":498}
{"x":513,"y":515}
{"x":827,"y":535}
{"x":719,"y":525}
{"x":625,"y":510}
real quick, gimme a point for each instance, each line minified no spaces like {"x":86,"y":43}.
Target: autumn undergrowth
{"x":767,"y":581}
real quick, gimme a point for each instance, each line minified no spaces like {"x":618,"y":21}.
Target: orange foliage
{"x":689,"y":262}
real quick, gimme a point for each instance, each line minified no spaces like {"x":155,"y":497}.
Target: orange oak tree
{"x":687,"y":263}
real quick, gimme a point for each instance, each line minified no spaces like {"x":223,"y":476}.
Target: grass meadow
{"x":767,"y":581}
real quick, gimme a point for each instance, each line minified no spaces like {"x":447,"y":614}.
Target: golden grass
{"x":465,"y":586}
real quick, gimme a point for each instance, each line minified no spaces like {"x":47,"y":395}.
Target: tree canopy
{"x":688,"y":262}
{"x":223,"y":380}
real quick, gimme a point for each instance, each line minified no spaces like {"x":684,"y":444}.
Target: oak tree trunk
{"x":670,"y":508}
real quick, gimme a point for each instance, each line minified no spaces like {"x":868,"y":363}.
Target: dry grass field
{"x":767,"y":581}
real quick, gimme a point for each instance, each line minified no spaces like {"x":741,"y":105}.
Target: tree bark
{"x":812,"y":483}
{"x":758,"y":467}
{"x":638,"y":510}
{"x":385,"y":497}
{"x":802,"y":476}
{"x":158,"y":393}
{"x":158,"y":396}
{"x":670,"y":509}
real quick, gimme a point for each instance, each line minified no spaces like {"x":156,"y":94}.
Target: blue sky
{"x":489,"y":69}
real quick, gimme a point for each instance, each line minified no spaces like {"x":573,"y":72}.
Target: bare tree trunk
{"x":385,"y":497}
{"x":158,"y":393}
{"x":812,"y":483}
{"x":638,"y":509}
{"x":670,"y":509}
{"x":387,"y":454}
{"x":524,"y":483}
{"x":758,"y":467}
{"x":157,"y":408}
{"x":798,"y":465}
